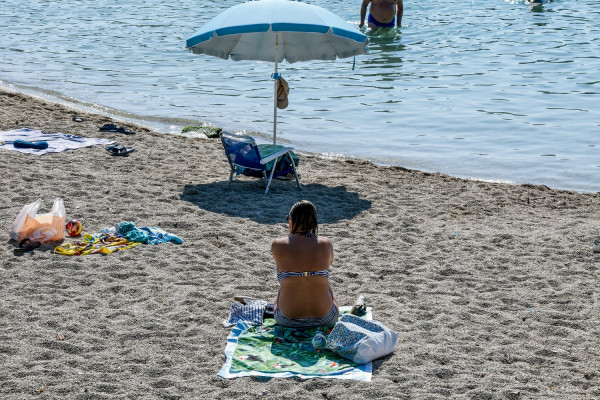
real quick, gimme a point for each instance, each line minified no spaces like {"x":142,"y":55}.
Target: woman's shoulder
{"x":280,"y":242}
{"x":324,"y":241}
{"x":285,"y":242}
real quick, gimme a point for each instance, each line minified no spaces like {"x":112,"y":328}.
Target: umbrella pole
{"x":276,"y":80}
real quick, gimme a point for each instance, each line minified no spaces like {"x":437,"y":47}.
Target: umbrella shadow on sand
{"x":245,"y":199}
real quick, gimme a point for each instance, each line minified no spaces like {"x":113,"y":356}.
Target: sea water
{"x":496,"y":90}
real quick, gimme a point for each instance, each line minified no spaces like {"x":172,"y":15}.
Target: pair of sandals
{"x":113,"y":128}
{"x":27,"y":245}
{"x":119,"y":150}
{"x":244,"y":299}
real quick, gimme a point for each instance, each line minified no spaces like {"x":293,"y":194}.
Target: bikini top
{"x":286,"y":274}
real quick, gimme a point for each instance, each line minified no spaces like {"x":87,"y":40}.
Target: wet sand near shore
{"x":493,"y":288}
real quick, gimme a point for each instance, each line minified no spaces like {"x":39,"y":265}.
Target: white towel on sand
{"x":57,"y":142}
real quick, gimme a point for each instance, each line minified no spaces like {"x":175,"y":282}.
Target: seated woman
{"x":305,"y":299}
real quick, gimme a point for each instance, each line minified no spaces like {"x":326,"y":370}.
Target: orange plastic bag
{"x":40,"y":227}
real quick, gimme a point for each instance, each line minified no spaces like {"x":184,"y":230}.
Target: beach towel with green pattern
{"x":278,"y":352}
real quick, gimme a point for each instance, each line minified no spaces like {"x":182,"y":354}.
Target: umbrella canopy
{"x":277,"y":30}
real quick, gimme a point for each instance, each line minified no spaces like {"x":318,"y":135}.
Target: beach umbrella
{"x":277,"y":30}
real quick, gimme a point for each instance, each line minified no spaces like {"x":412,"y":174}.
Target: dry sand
{"x":493,"y":288}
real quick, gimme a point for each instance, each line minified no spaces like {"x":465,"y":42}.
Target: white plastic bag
{"x":357,"y":339}
{"x":39,"y":227}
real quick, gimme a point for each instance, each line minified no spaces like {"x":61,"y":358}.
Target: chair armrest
{"x":278,"y":154}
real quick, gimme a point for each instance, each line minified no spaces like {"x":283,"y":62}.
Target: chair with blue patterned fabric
{"x":244,"y":154}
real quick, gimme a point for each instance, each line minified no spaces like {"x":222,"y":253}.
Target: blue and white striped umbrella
{"x":274,"y":30}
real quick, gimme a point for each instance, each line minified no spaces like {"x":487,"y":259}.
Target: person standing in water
{"x":382,"y":13}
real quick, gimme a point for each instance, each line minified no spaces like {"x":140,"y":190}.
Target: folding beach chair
{"x":243,"y":154}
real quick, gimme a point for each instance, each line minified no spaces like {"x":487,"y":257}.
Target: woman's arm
{"x":276,"y":302}
{"x":329,"y":246}
{"x":399,"y":12}
{"x":363,"y":12}
{"x":276,"y":251}
{"x":333,"y":299}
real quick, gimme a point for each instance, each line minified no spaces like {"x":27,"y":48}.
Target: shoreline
{"x":174,"y":128}
{"x":492,"y":287}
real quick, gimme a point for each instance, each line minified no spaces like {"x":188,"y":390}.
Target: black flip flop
{"x":125,"y":131}
{"x":27,"y":245}
{"x":119,"y":150}
{"x":108,"y":128}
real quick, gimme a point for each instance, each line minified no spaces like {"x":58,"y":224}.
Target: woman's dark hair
{"x":304,"y":217}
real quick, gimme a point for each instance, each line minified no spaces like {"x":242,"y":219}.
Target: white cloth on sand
{"x":57,"y":142}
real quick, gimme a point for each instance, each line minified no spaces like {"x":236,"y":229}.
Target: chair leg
{"x":296,"y":174}
{"x":230,"y":176}
{"x":271,"y":177}
{"x":264,"y":178}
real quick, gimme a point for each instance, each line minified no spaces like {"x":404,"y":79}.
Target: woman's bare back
{"x":303,"y":296}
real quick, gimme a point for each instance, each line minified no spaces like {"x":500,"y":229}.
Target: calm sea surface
{"x":496,"y":90}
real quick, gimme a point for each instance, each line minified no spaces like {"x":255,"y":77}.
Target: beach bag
{"x":39,"y":227}
{"x":358,"y":339}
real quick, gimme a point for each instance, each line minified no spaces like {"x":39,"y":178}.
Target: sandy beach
{"x":493,"y":288}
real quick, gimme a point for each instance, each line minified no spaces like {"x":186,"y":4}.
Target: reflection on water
{"x":483,"y":90}
{"x":382,"y":35}
{"x":385,"y":46}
